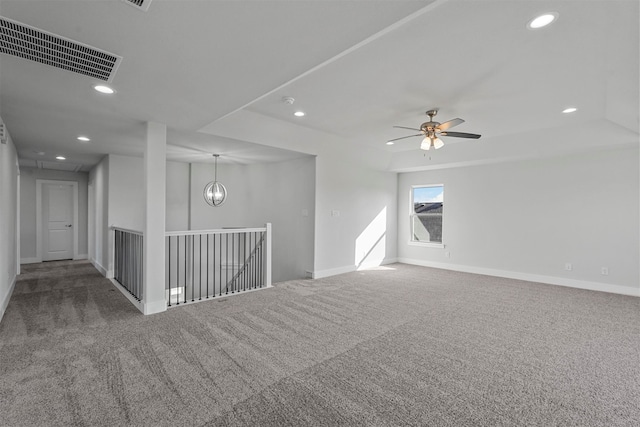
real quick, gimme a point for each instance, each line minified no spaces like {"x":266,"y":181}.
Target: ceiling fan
{"x":433,"y":130}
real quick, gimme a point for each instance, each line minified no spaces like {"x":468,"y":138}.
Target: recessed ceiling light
{"x":83,"y":139}
{"x":542,"y":20}
{"x":104,"y":89}
{"x":61,"y":158}
{"x":570,"y":110}
{"x":390,"y":142}
{"x":299,"y":113}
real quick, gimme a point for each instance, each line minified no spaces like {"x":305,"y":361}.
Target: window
{"x":427,"y":204}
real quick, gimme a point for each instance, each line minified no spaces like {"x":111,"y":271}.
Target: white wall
{"x":99,"y":214}
{"x":236,"y":210}
{"x":280,"y":193}
{"x":118,"y":186}
{"x":28,"y":212}
{"x":283,"y":194}
{"x":355,"y":216}
{"x":177,"y":196}
{"x":8,"y":221}
{"x":527,"y":219}
{"x":349,"y":179}
{"x":126,"y":192}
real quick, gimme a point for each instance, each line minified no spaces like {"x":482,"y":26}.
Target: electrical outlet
{"x":604,"y":271}
{"x":568,"y":266}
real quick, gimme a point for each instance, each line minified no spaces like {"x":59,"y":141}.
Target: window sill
{"x":426,"y":244}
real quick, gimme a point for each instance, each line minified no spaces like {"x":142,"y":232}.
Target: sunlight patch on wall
{"x":371,"y":243}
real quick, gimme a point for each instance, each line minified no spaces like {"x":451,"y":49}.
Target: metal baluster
{"x":193,"y":265}
{"x":260,"y":261}
{"x":169,"y":275}
{"x":135,"y":266}
{"x":115,"y":243}
{"x":213,"y":266}
{"x":124,"y":264}
{"x":185,"y":269}
{"x":233,"y":262}
{"x":177,"y":270}
{"x":140,"y":268}
{"x":214,"y":292}
{"x":132,"y":262}
{"x":140,"y":262}
{"x":116,"y":272}
{"x":226,"y":267}
{"x":128,"y":262}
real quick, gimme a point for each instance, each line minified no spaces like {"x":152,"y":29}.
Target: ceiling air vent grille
{"x":139,"y":4}
{"x":36,"y":45}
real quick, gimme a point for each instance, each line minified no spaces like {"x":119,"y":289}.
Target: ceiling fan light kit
{"x":428,"y":143}
{"x":431,"y":131}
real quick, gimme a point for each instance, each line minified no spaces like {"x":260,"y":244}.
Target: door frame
{"x":39,"y":230}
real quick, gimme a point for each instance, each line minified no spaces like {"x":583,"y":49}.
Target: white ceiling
{"x":215,"y":72}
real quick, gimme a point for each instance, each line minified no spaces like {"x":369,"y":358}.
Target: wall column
{"x":155,"y":165}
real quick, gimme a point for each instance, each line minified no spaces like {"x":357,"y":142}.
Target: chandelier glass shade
{"x":215,"y":193}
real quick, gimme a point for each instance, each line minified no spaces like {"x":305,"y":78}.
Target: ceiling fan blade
{"x":404,"y":127}
{"x":451,"y":123}
{"x":403,"y":137}
{"x":461,"y":135}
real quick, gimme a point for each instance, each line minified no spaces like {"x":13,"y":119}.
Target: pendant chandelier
{"x":215,"y":193}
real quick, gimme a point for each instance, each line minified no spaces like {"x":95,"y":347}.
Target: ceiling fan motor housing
{"x":429,"y":127}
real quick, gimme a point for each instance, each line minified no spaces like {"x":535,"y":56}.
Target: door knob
{"x":68,"y":225}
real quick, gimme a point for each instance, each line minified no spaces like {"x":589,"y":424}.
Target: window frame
{"x":412,"y":213}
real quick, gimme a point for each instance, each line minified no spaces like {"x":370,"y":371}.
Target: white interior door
{"x":57,"y":221}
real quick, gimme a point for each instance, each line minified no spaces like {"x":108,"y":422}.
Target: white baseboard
{"x":81,"y":256}
{"x":5,"y":299}
{"x":132,"y":300}
{"x":144,"y":307}
{"x":154,"y":307}
{"x":319,"y":274}
{"x":376,"y":263}
{"x":29,"y":260}
{"x":549,"y":280}
{"x":99,"y":267}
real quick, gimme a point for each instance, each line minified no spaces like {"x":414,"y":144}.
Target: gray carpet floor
{"x":394,"y":346}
